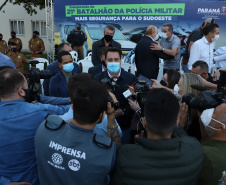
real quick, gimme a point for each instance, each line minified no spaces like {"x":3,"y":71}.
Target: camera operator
{"x":73,"y":82}
{"x":201,"y":68}
{"x":164,"y":156}
{"x":121,"y":79}
{"x":214,"y":163}
{"x":72,"y":152}
{"x":19,"y":121}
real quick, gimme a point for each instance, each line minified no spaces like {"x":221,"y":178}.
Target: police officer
{"x":3,"y":45}
{"x":36,"y":46}
{"x":82,"y":157}
{"x":16,"y":40}
{"x":18,"y":58}
{"x":77,"y":38}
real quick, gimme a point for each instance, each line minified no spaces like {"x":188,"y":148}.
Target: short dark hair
{"x":202,"y":64}
{"x":10,"y":80}
{"x":173,"y":78}
{"x":113,"y":49}
{"x":36,"y":32}
{"x":89,"y":101}
{"x":61,"y":47}
{"x":61,"y":54}
{"x":78,"y":24}
{"x":170,"y":26}
{"x":0,"y":34}
{"x":161,"y":111}
{"x":13,"y":32}
{"x":210,"y":28}
{"x":110,"y":27}
{"x":76,"y":80}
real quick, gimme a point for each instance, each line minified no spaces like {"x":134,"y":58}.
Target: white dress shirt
{"x":201,"y":50}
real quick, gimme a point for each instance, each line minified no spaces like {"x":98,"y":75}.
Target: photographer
{"x":214,"y":163}
{"x":119,"y":81}
{"x":164,"y":156}
{"x":19,"y":121}
{"x":81,"y":157}
{"x":73,"y":82}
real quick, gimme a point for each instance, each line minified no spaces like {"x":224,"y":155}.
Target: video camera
{"x":33,"y":78}
{"x":208,"y":98}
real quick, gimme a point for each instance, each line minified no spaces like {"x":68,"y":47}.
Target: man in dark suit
{"x":100,"y":67}
{"x":58,"y":85}
{"x":146,"y":59}
{"x":122,"y":79}
{"x":107,"y":40}
{"x":55,"y":69}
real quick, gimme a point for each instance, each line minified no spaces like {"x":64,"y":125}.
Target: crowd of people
{"x":108,"y":126}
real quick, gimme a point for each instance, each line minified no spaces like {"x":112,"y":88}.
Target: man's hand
{"x":156,"y":84}
{"x":133,"y":105}
{"x":19,"y":183}
{"x":183,"y":114}
{"x":131,"y":89}
{"x":110,"y":110}
{"x":156,"y":47}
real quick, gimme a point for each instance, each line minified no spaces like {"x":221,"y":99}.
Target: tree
{"x":29,"y":5}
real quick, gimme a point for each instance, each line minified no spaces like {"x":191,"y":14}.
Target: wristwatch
{"x":163,"y":48}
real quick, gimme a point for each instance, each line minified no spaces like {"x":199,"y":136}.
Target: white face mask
{"x":215,"y":38}
{"x":176,"y":90}
{"x":206,"y":118}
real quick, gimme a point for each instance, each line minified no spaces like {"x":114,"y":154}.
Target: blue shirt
{"x":19,"y":121}
{"x":100,"y":128}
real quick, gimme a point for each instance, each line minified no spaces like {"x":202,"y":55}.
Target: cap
{"x":78,"y":24}
{"x":13,"y":32}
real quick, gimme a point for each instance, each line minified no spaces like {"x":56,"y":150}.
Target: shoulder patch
{"x":54,"y":122}
{"x":104,"y":142}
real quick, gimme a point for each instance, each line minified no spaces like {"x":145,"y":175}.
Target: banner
{"x":131,"y":19}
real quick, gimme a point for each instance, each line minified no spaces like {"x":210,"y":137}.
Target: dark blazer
{"x":147,"y":60}
{"x":124,"y":80}
{"x":58,"y":86}
{"x":96,"y":50}
{"x":95,"y":70}
{"x":55,"y":69}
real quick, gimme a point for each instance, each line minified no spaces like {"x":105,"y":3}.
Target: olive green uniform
{"x":36,"y":45}
{"x":3,"y":46}
{"x":18,"y":42}
{"x":18,"y":59}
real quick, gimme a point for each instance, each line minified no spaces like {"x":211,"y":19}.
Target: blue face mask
{"x":164,"y":35}
{"x":113,"y":67}
{"x":68,"y":67}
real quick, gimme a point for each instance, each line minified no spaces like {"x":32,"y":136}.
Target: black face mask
{"x":163,"y":83}
{"x":108,"y":38}
{"x":13,"y":49}
{"x":103,"y":63}
{"x":34,"y":36}
{"x":28,"y":97}
{"x":0,"y":38}
{"x":78,"y":28}
{"x":13,"y":36}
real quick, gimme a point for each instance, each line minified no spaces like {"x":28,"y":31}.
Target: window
{"x":39,"y":26}
{"x":17,"y":26}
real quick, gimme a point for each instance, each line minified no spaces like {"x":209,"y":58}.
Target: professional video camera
{"x":33,"y":78}
{"x":208,"y":98}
